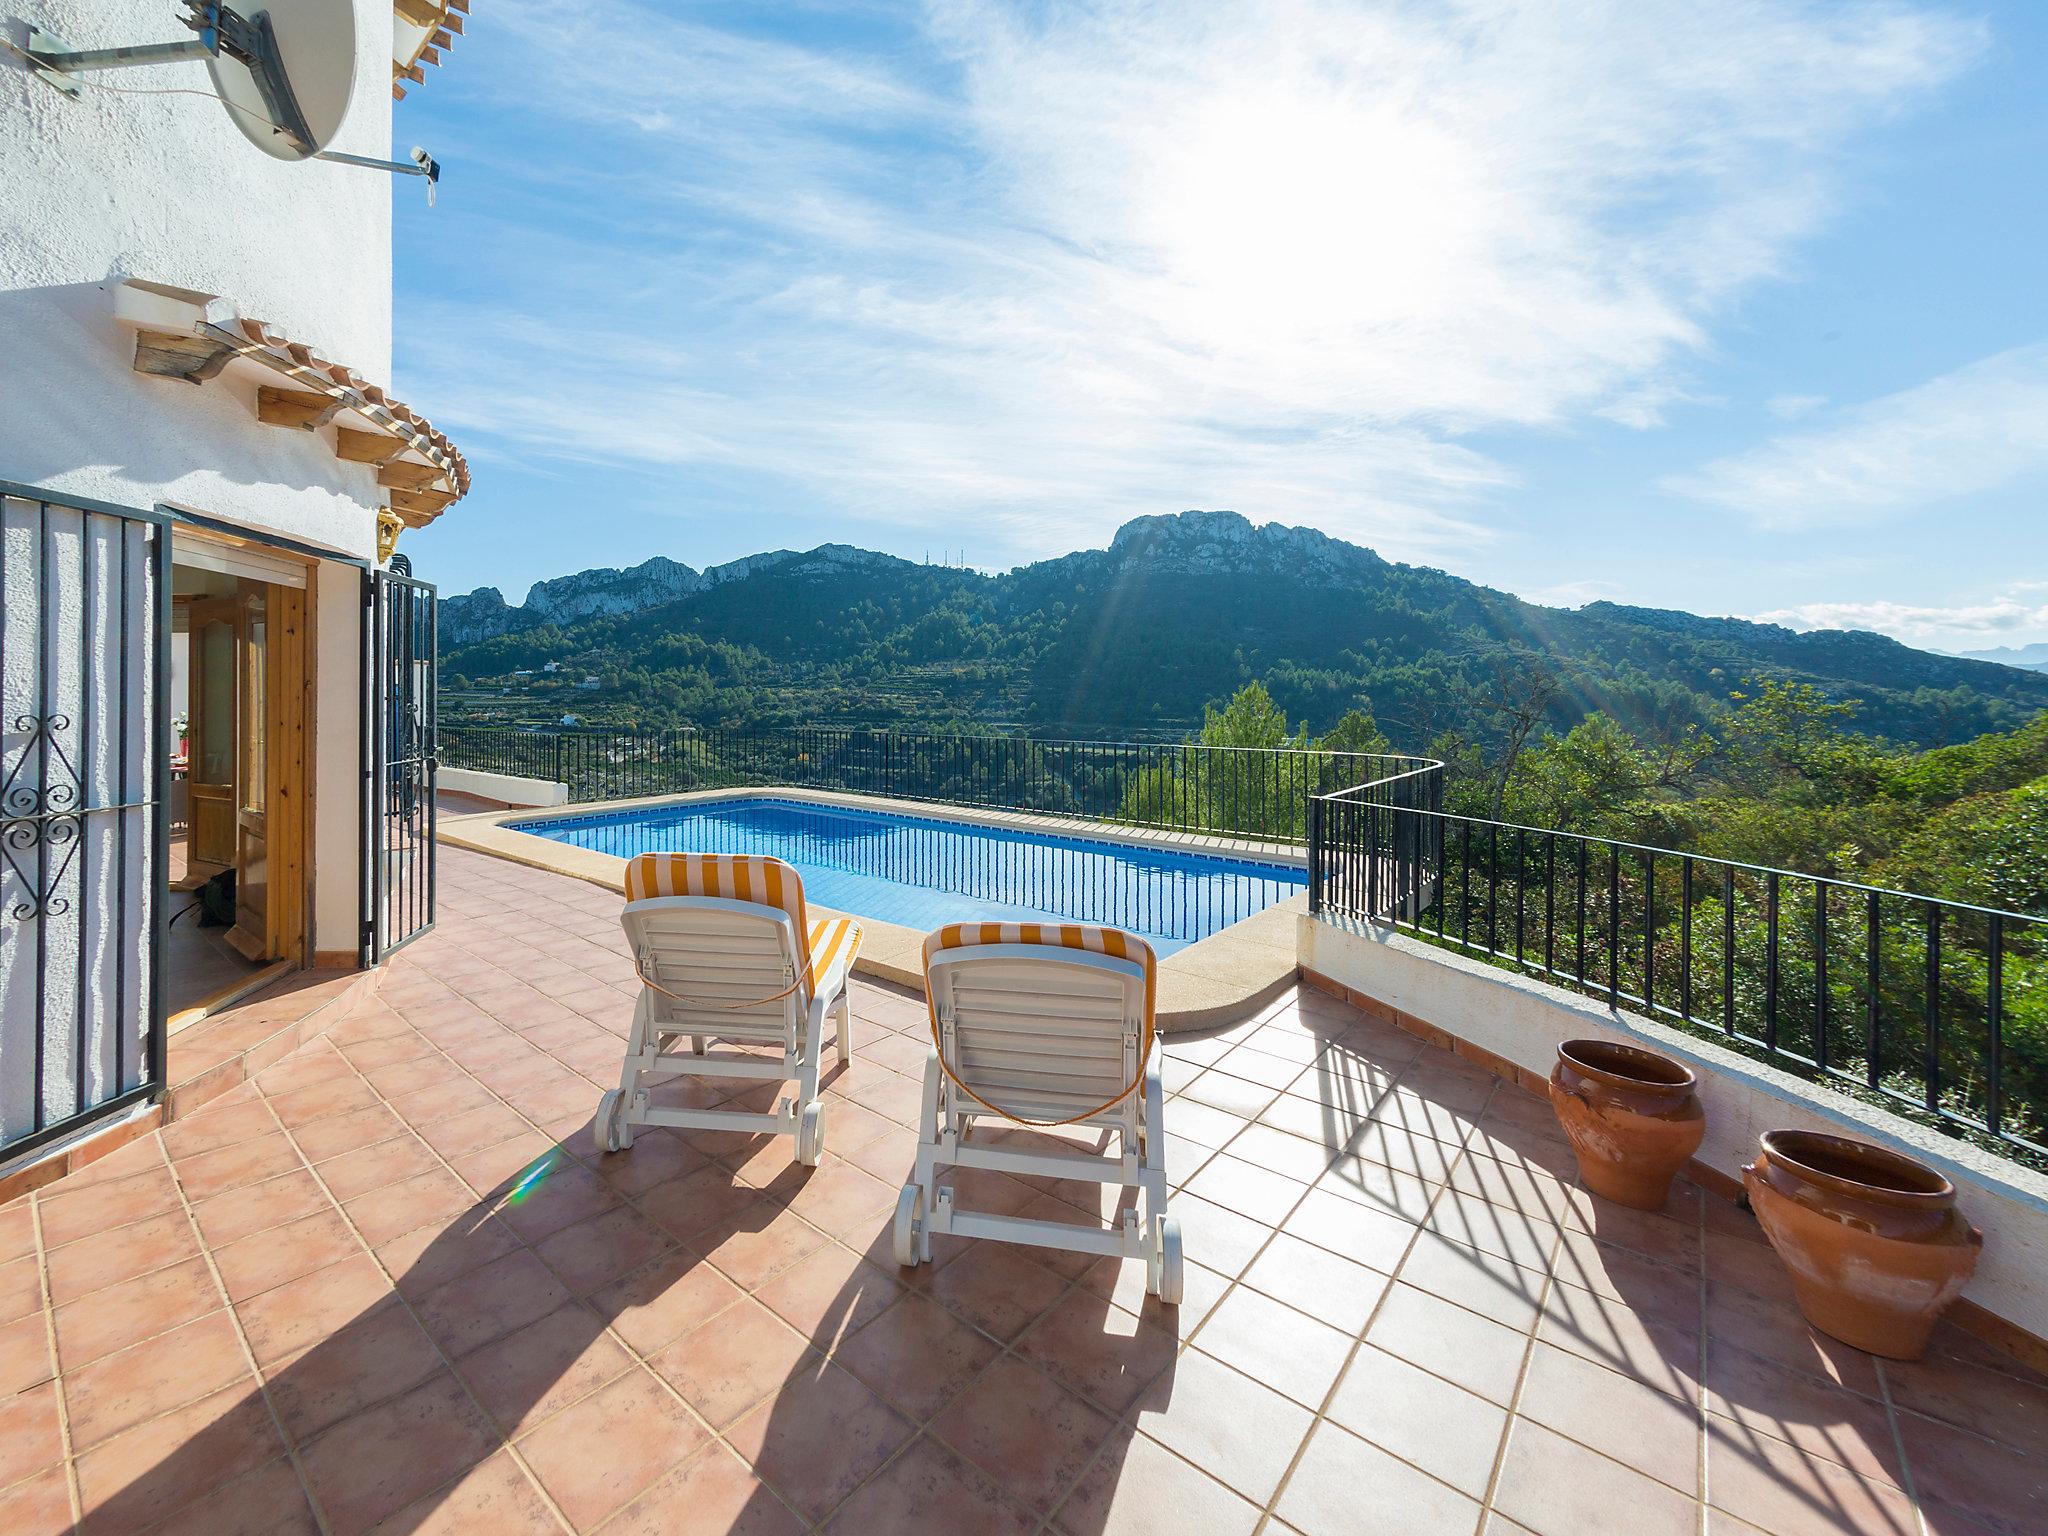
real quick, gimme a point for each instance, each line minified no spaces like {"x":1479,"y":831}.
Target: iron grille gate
{"x":399,"y":703}
{"x":85,"y":620}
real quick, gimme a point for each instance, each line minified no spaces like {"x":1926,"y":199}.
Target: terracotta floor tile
{"x":21,"y":1288}
{"x":1668,"y":1292}
{"x":1463,"y":1347}
{"x":219,"y":1124}
{"x":1136,"y":1487}
{"x":1369,"y":1236}
{"x":297,"y":1315}
{"x":430,"y":1256}
{"x":838,"y":1198}
{"x":535,"y":1371}
{"x":998,"y":1287}
{"x":17,"y":1230}
{"x":929,"y":1488}
{"x":1446,"y":1431}
{"x":659,"y":1302}
{"x":246,"y":1162}
{"x":1818,"y":1417}
{"x":270,"y":1501}
{"x":30,"y":1438}
{"x":160,"y":1467}
{"x":829,"y":1294}
{"x":1123,"y":1281}
{"x":1287,"y":1350}
{"x":596,"y":1455}
{"x":473,"y":1130}
{"x":1776,"y":1331}
{"x":687,"y":1205}
{"x":1961,"y":1474}
{"x":168,"y":1371}
{"x":713,"y":1491}
{"x":68,"y":1216}
{"x":494,"y":1496}
{"x":553,"y":1198}
{"x":725,"y":1366}
{"x":505,"y":1294}
{"x":304,"y":1105}
{"x":1234,"y":1428}
{"x":757,"y":1242}
{"x":599,"y":1250}
{"x":1614,"y":1414}
{"x":821,"y":1437}
{"x":351,"y":1131}
{"x":1549,"y":1483}
{"x":400,"y":1208}
{"x":259,"y":1207}
{"x":1479,"y":1281}
{"x":1348,"y":1487}
{"x":1317,"y":1281}
{"x":369,"y":1358}
{"x":1105,"y":1354}
{"x":375,"y":1463}
{"x":38,"y":1506}
{"x":372,"y":1167}
{"x":127,"y":1313}
{"x":1523,"y":1237}
{"x":108,"y":1258}
{"x":1648,"y":1233}
{"x":1777,"y":1488}
{"x":917,"y":1355}
{"x":1606,"y":1332}
{"x":1994,"y":1403}
{"x":266,"y":1259}
{"x":655,"y":1157}
{"x":890,"y":1157}
{"x":1232,"y":1095}
{"x":1247,"y":1188}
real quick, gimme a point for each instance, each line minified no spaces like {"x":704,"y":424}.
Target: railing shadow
{"x":1494,"y":1189}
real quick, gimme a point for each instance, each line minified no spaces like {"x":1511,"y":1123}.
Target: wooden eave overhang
{"x":184,"y":334}
{"x":421,"y":32}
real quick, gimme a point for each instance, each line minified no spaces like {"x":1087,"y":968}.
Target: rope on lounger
{"x":852,"y":949}
{"x":959,"y":1082}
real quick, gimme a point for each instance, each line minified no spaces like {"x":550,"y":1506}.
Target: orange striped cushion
{"x":833,"y":939}
{"x":1084,"y":936}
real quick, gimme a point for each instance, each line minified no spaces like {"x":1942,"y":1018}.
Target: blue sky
{"x":1735,"y":307}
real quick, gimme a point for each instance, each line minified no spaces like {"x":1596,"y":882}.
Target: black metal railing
{"x":1936,"y":1006}
{"x":1253,"y":792}
{"x":85,"y":765}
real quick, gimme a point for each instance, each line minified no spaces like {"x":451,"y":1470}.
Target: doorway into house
{"x":237,"y":864}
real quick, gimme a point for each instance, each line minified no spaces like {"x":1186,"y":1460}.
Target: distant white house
{"x":205,"y":464}
{"x":572,"y":720}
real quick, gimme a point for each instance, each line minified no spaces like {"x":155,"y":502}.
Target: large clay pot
{"x":1875,"y":1244}
{"x":1631,"y":1116}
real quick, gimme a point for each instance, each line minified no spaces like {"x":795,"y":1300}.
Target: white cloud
{"x":1042,"y":270}
{"x":1793,"y":407}
{"x":1965,"y":433}
{"x":2008,"y":617}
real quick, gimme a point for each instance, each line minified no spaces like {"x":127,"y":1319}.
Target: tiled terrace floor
{"x":390,"y":1285}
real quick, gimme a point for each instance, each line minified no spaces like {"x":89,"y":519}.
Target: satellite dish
{"x":287,"y":71}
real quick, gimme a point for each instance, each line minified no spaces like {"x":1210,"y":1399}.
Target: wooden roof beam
{"x":166,"y":355}
{"x":295,"y":408}
{"x":406,"y":475}
{"x":366,"y":447}
{"x":425,"y":505}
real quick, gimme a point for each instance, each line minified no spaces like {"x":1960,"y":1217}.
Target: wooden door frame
{"x":291,"y":729}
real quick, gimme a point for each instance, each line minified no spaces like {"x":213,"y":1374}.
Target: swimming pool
{"x":925,"y":871}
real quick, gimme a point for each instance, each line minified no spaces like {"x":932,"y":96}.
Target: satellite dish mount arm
{"x":221,"y":30}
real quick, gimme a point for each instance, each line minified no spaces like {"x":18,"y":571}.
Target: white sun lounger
{"x":728,"y":957}
{"x":1042,"y":1025}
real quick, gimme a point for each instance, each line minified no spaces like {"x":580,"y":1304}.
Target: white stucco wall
{"x":167,"y":189}
{"x":1523,"y":1021}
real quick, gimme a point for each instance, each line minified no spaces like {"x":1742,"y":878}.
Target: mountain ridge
{"x":1178,"y":609}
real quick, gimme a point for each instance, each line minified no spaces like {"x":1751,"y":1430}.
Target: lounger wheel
{"x":1163,"y":1265}
{"x":613,"y":1133}
{"x":909,"y":1207}
{"x":810,"y":1134}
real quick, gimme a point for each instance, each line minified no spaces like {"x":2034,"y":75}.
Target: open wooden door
{"x":254,"y":933}
{"x":214,"y":628}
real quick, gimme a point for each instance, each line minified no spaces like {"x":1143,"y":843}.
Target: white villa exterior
{"x":195,"y":342}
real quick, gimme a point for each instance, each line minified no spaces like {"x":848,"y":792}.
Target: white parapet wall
{"x":1522,"y":1021}
{"x":508,"y":789}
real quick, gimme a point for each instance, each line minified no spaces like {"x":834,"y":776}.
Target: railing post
{"x":1315,"y":855}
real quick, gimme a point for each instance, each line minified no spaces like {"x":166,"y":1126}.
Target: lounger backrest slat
{"x":729,"y":969}
{"x":1043,"y":1030}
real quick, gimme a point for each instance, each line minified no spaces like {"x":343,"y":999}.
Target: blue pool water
{"x":923,"y":871}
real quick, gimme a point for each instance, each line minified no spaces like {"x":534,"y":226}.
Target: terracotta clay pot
{"x":1873,"y":1239}
{"x":1631,"y":1116}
